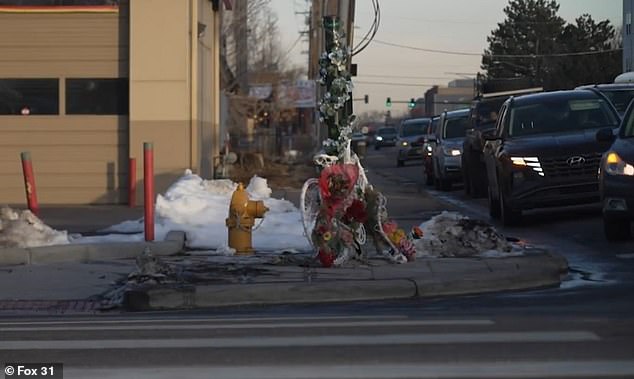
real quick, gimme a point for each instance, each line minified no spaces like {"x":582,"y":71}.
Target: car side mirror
{"x":605,"y":135}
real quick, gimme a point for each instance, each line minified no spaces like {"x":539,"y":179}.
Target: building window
{"x":29,"y":96}
{"x":628,"y":23}
{"x":50,"y":3}
{"x":97,"y":96}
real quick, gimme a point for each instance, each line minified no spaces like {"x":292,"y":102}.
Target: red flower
{"x":335,"y":185}
{"x":338,"y":180}
{"x":327,"y":259}
{"x":356,"y":212}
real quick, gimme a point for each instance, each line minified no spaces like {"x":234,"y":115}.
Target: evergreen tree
{"x":531,"y":27}
{"x":585,"y":35}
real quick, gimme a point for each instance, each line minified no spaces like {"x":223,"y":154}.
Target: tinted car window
{"x":560,"y":116}
{"x":456,"y":127}
{"x":620,"y":98}
{"x":387,"y":131}
{"x":628,"y":127}
{"x":414,"y":128}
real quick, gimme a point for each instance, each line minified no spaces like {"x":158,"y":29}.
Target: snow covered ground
{"x":199,"y":208}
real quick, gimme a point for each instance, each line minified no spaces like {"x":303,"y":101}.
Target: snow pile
{"x":24,"y":229}
{"x":451,"y":234}
{"x":199,"y":208}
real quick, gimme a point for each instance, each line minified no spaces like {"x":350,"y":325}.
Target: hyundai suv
{"x":544,"y":152}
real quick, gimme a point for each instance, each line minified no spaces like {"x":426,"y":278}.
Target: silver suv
{"x":446,"y":158}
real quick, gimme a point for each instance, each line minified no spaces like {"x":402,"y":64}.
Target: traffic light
{"x":366,"y":99}
{"x":388,"y":102}
{"x":412,"y":103}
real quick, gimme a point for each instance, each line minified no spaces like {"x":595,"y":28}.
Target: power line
{"x":404,"y":76}
{"x":393,"y":84}
{"x":591,"y":52}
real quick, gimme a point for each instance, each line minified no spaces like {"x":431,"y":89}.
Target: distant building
{"x":628,"y":39}
{"x":457,"y":95}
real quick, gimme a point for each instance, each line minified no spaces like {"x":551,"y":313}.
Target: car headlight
{"x":451,"y":151}
{"x":614,"y":165}
{"x":379,"y":138}
{"x":429,"y":148}
{"x":404,"y":143}
{"x":532,"y":162}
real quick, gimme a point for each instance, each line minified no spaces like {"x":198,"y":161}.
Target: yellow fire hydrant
{"x":242,"y":215}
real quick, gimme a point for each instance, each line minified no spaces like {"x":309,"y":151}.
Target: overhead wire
{"x":371,"y":33}
{"x":464,"y":53}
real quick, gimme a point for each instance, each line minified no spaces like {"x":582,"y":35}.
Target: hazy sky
{"x":455,"y":25}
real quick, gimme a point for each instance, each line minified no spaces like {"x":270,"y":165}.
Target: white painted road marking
{"x":462,"y":370}
{"x":304,"y":341}
{"x":212,"y":326}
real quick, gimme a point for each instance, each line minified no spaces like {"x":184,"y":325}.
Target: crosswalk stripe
{"x":194,"y":320}
{"x":338,"y":324}
{"x":304,"y":341}
{"x":457,"y":370}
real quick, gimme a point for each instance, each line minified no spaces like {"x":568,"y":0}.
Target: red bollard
{"x":29,"y":183}
{"x":132,"y":183}
{"x":148,"y":189}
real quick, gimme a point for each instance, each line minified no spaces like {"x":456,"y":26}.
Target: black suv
{"x":483,"y":115}
{"x":544,"y":151}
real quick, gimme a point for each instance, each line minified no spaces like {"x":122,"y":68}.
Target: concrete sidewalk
{"x":58,"y":278}
{"x":267,"y":279}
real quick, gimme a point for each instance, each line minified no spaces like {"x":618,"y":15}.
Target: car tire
{"x":400,"y":163}
{"x":466,"y":179}
{"x":509,"y":216}
{"x":429,"y":178}
{"x":617,"y":229}
{"x":478,"y":187}
{"x":494,"y":205}
{"x":377,"y":147}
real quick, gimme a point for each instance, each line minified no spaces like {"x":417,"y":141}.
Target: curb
{"x":208,"y":296}
{"x":482,"y":276}
{"x":174,"y":243}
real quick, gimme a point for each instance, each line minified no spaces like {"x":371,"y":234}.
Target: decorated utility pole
{"x":340,"y":210}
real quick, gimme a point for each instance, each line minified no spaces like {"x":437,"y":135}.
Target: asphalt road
{"x":585,"y":329}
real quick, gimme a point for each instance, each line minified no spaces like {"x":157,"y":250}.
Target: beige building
{"x":83,"y":87}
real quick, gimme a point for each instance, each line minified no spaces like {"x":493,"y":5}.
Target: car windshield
{"x":414,"y":128}
{"x":619,"y":98}
{"x":387,"y":131}
{"x":456,"y":127}
{"x":560,"y":115}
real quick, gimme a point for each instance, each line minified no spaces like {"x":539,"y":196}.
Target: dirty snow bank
{"x":24,"y":229}
{"x":451,"y":234}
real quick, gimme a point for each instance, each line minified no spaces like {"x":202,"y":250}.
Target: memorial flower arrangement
{"x":347,"y":209}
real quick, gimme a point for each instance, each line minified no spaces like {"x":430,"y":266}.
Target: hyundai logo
{"x":576,"y":161}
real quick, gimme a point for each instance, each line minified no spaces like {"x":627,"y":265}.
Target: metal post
{"x":132,"y":183}
{"x":148,"y":192}
{"x":29,"y":183}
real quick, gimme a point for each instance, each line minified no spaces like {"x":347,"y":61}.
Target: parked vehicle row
{"x":530,"y":149}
